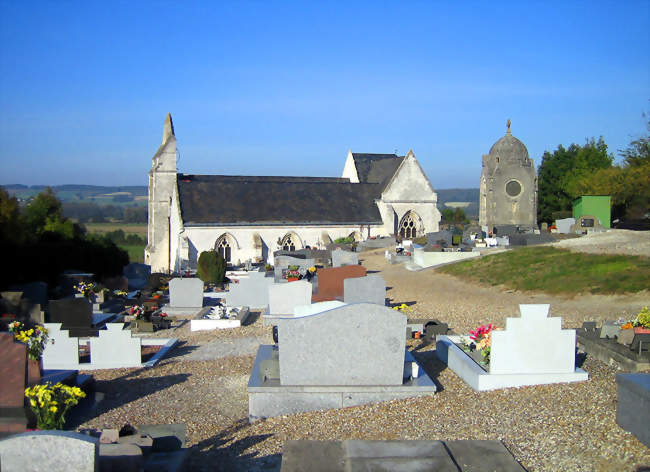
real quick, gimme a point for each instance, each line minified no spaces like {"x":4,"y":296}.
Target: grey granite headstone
{"x":49,"y":450}
{"x":251,"y":291}
{"x":75,"y":314}
{"x":368,"y":289}
{"x":186,"y":293}
{"x":283,"y":298}
{"x":343,"y":258}
{"x":360,"y":344}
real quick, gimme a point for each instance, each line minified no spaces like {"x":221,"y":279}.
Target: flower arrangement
{"x":642,"y":320}
{"x":403,"y":308}
{"x":292,"y":272}
{"x":120,"y":293}
{"x":86,"y":289}
{"x":50,"y":403}
{"x":137,"y":311}
{"x":35,"y":338}
{"x":481,"y":340}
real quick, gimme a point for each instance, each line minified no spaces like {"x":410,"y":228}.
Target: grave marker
{"x":12,"y":386}
{"x":368,"y":289}
{"x":283,"y":298}
{"x":186,"y":293}
{"x":252,"y":291}
{"x":75,"y":314}
{"x":330,"y":281}
{"x":342,"y":258}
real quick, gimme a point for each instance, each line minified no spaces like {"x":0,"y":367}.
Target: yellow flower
{"x":32,"y":402}
{"x":53,"y":409}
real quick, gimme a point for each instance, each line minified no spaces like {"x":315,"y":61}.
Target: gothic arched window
{"x":223,"y":247}
{"x":409,"y":227}
{"x":290,"y":242}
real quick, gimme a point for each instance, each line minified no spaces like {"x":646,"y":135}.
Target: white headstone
{"x":61,"y":351}
{"x":115,"y":348}
{"x":360,"y":344}
{"x":368,"y":289}
{"x":186,"y":293}
{"x":533,"y":344}
{"x":49,"y":450}
{"x":251,"y":291}
{"x":312,"y":309}
{"x":284,"y":297}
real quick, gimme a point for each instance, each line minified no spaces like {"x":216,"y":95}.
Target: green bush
{"x":347,"y":240}
{"x":211,"y":267}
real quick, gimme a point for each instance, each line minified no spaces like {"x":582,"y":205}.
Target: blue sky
{"x":286,"y":88}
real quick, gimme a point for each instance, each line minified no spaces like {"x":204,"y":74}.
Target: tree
{"x":11,"y":223}
{"x":638,"y":151}
{"x":559,"y":173}
{"x":211,"y":267}
{"x":45,"y":206}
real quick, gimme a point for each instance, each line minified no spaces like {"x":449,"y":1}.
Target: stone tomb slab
{"x":251,"y":291}
{"x":330,"y":281}
{"x":633,"y":407}
{"x":342,"y":258}
{"x":611,"y":352}
{"x":532,"y":350}
{"x":343,"y":346}
{"x":268,"y":398}
{"x":368,"y":289}
{"x":49,"y":450}
{"x":397,"y":456}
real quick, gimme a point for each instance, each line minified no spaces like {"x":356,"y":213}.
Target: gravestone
{"x":13,"y":370}
{"x":49,"y":450}
{"x":283,"y":298}
{"x":61,"y":351}
{"x":137,"y":275}
{"x":115,"y":347}
{"x":75,"y":314}
{"x":36,"y":292}
{"x":186,"y":293}
{"x":368,"y":289}
{"x":283,"y":262}
{"x":533,"y":344}
{"x":564,"y":225}
{"x":342,"y":258}
{"x":361,"y":344}
{"x":251,"y":291}
{"x":330,"y":281}
{"x":633,"y":408}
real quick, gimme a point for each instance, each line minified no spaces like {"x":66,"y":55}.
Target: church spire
{"x":168,"y":128}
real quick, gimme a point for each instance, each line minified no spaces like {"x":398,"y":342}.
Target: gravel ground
{"x":548,"y":428}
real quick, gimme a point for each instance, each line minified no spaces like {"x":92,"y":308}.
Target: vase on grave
{"x":641,"y":330}
{"x":292,"y":279}
{"x":34,"y":371}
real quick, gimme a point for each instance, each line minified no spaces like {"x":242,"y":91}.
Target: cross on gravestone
{"x":75,"y":315}
{"x":13,"y":370}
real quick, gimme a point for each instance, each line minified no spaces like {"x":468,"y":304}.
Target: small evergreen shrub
{"x":211,"y":267}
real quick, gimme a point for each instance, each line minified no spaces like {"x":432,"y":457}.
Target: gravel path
{"x":548,"y":428}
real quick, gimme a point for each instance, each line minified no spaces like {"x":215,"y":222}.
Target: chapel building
{"x":249,"y":217}
{"x":508,"y":189}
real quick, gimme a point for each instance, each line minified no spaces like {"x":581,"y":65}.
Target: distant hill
{"x":460,"y":195}
{"x":137,"y":195}
{"x":101,"y":195}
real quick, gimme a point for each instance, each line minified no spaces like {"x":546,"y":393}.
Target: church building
{"x":508,"y":189}
{"x":250,"y":217}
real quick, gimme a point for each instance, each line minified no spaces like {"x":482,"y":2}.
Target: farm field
{"x":129,"y":228}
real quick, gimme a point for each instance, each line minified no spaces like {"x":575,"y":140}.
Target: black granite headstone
{"x":76,"y":315}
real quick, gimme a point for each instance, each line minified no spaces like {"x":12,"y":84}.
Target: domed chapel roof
{"x":509,"y":148}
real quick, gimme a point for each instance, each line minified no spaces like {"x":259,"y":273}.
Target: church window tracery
{"x":289,"y":242}
{"x":409,"y":227}
{"x":223,"y":248}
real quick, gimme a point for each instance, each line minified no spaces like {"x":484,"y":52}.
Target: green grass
{"x":136,"y":251}
{"x":557,"y":271}
{"x":135,"y":228}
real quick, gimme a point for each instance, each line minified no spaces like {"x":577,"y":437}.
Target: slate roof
{"x":376,"y":168}
{"x":247,"y":200}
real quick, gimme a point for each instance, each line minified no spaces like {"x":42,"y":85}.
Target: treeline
{"x":37,"y":243}
{"x":93,"y":213}
{"x":568,"y":173}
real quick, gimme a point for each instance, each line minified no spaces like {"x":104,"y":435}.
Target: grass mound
{"x":557,"y":271}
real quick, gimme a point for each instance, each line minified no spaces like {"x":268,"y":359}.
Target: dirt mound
{"x":614,"y":241}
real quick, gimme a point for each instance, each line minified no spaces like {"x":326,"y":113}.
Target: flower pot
{"x":292,"y":279}
{"x":641,"y":330}
{"x":417,"y":335}
{"x":34,"y":371}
